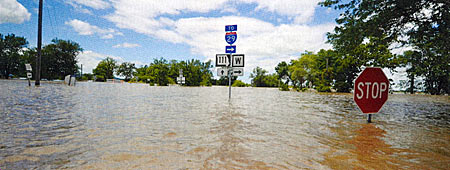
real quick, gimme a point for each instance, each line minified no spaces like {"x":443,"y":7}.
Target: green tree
{"x":105,"y":69}
{"x":239,"y":83}
{"x":10,"y":59}
{"x":385,"y":22}
{"x":325,"y":67}
{"x":412,"y":60}
{"x":158,"y":71}
{"x":59,"y":59}
{"x":127,"y":70}
{"x":282,"y":70}
{"x":304,"y":70}
{"x":260,"y":78}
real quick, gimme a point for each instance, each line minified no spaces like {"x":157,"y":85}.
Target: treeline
{"x":58,"y":58}
{"x":160,"y":72}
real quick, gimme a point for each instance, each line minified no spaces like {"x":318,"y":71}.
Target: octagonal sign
{"x":371,"y":90}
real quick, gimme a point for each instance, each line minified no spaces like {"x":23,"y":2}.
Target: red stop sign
{"x":371,"y":90}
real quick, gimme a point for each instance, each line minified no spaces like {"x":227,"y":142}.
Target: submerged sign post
{"x":180,"y":79}
{"x":29,"y":75}
{"x":371,"y":91}
{"x":230,"y":64}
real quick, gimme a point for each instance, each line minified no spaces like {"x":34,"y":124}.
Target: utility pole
{"x":39,"y":44}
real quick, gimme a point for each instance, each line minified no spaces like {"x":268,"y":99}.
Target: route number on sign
{"x":230,"y":28}
{"x":222,"y":60}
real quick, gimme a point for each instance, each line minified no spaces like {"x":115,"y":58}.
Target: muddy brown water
{"x":136,"y":126}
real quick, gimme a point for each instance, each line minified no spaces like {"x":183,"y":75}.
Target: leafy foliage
{"x":421,"y":24}
{"x":10,"y":59}
{"x":127,"y":70}
{"x":105,"y":69}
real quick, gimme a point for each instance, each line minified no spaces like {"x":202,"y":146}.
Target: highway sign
{"x":29,"y":75}
{"x":222,"y":60}
{"x":230,"y":28}
{"x":222,"y":72}
{"x":237,"y":60}
{"x":238,"y":72}
{"x":28,"y":67}
{"x":371,"y":90}
{"x":230,"y":49}
{"x":230,"y":37}
{"x":181,"y":80}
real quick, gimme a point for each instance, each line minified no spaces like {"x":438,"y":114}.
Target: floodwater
{"x":136,"y":126}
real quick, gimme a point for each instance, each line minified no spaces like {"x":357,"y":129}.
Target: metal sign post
{"x":29,"y":75}
{"x":229,"y":62}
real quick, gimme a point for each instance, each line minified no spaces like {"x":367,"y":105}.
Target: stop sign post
{"x":371,"y":90}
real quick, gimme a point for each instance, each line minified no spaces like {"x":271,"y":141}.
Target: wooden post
{"x":39,"y":44}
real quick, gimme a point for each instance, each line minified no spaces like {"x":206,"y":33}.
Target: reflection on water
{"x":136,"y":126}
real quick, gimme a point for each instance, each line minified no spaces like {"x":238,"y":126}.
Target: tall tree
{"x":10,"y":48}
{"x":422,"y":24}
{"x":159,"y":72}
{"x":105,"y":69}
{"x":257,"y":77}
{"x":127,"y":70}
{"x":59,"y":59}
{"x":282,"y":70}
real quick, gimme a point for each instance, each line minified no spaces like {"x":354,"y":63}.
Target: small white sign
{"x":222,"y":60}
{"x":29,"y":75}
{"x":28,"y":67}
{"x":222,"y":72}
{"x":181,"y":80}
{"x":238,"y":72}
{"x":237,"y":60}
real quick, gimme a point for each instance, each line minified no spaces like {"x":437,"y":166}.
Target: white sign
{"x":222,"y":72}
{"x":28,"y":67}
{"x":238,"y":72}
{"x":29,"y":75}
{"x":181,"y":80}
{"x":222,"y":60}
{"x":237,"y":60}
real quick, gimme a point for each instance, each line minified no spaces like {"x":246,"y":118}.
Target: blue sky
{"x":138,"y":31}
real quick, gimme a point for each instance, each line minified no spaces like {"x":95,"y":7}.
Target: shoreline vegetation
{"x":365,"y":36}
{"x":324,"y":71}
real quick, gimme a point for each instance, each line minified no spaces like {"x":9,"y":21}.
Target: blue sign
{"x":230,"y":27}
{"x":230,"y":49}
{"x":230,"y":37}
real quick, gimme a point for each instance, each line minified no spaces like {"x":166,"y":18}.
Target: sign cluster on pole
{"x":230,"y":64}
{"x":371,"y":90}
{"x":180,"y":78}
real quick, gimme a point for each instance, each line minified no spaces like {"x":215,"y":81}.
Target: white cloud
{"x":95,"y":4}
{"x":301,"y":11}
{"x":126,"y":45}
{"x":84,"y":28}
{"x":90,"y":60}
{"x":264,"y":43}
{"x":79,"y":8}
{"x":12,"y":11}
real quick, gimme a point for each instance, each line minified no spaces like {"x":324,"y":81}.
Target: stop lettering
{"x":371,"y":90}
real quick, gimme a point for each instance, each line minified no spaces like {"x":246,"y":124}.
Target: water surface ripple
{"x":136,"y":126}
